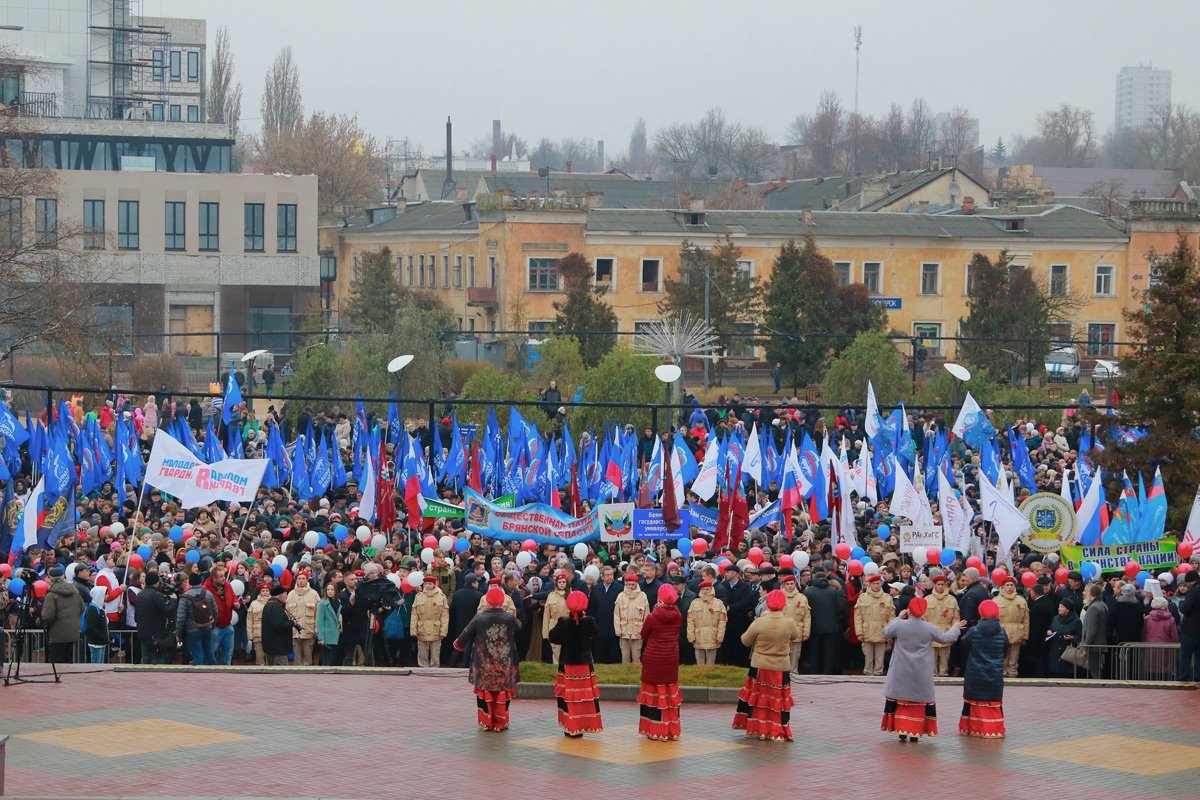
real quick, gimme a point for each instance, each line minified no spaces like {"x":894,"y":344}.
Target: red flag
{"x":739,"y":514}
{"x":670,"y":504}
{"x":475,"y":476}
{"x":385,"y":500}
{"x":724,"y":517}
{"x":643,"y":496}
{"x":576,"y":503}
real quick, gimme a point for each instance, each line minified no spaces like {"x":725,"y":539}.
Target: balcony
{"x":37,"y":104}
{"x":480,"y":296}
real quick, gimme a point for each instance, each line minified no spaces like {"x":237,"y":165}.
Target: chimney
{"x":837,"y":204}
{"x":872,"y":189}
{"x":783,"y":182}
{"x":806,"y":213}
{"x":449,"y":153}
{"x":496,"y":137}
{"x":569,"y":162}
{"x":968,"y":205}
{"x":493,"y":162}
{"x":924,"y":206}
{"x":600,"y":153}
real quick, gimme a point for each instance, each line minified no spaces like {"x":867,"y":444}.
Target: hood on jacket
{"x":63,"y":589}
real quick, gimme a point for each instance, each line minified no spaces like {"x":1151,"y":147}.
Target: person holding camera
{"x":155,"y":613}
{"x":277,"y":627}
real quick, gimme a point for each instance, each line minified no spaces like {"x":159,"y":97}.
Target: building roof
{"x":820,"y":193}
{"x":618,"y":190}
{"x":429,"y":215}
{"x":1077,"y":181}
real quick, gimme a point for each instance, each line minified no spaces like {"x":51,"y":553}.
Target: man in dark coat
{"x":602,"y":603}
{"x":354,"y":618}
{"x":740,"y":599}
{"x":1189,"y":629}
{"x":277,"y":628}
{"x":381,"y":596}
{"x":687,"y":653}
{"x":463,"y":605}
{"x":155,"y":614}
{"x":649,"y":582}
{"x":1043,"y":606}
{"x":830,"y":612}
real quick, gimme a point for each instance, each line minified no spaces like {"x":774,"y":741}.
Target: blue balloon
{"x":192,"y":557}
{"x":144,"y":551}
{"x":176,"y":534}
{"x":1141,"y":578}
{"x":884,"y":532}
{"x":462,"y":545}
{"x":322,"y":540}
{"x":684,"y":546}
{"x":278,"y":570}
{"x":857,"y":554}
{"x":1089,"y":570}
{"x":340,"y":532}
{"x":948,"y":556}
{"x":17,"y":587}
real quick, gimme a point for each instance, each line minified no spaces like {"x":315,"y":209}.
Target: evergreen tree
{"x":584,"y":310}
{"x":871,"y":357}
{"x":374,"y":294}
{"x":1000,"y":152}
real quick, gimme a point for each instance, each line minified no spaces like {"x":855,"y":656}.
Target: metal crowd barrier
{"x":1131,"y":661}
{"x":125,"y":649}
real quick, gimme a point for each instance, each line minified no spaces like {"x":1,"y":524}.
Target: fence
{"x":34,"y":647}
{"x":1130,"y":661}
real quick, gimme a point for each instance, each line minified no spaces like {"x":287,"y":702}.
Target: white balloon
{"x":446,"y":543}
{"x":187,"y":526}
{"x":379,"y":541}
{"x":310,"y":539}
{"x":523,"y":559}
{"x":239,"y":588}
{"x":919,"y":557}
{"x":1166,"y":578}
{"x":416,"y":578}
{"x":281,"y":560}
{"x":394,"y":578}
{"x":675,"y":553}
{"x":117,"y":528}
{"x":591,"y":572}
{"x":363,"y":533}
{"x":870,"y":568}
{"x":234,"y":619}
{"x":800,"y":559}
{"x":581,"y":551}
{"x":427,"y":555}
{"x":743,"y":563}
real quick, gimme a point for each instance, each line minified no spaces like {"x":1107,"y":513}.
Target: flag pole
{"x":133,"y":520}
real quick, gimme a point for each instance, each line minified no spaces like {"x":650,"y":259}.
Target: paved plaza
{"x":109,"y":734}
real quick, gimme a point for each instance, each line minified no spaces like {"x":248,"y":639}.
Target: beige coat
{"x":631,"y":611}
{"x":556,"y":609}
{"x":430,"y":615}
{"x":942,"y":611}
{"x":303,"y":608}
{"x":796,"y":609}
{"x":706,"y":621}
{"x":1014,"y":617}
{"x":771,"y":638}
{"x":873,"y":611}
{"x":254,"y":620}
{"x":508,"y":604}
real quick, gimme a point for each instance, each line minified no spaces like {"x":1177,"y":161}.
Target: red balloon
{"x":934,"y":556}
{"x":430,"y":541}
{"x":786,"y":562}
{"x":1132,"y":568}
{"x":842,"y":551}
{"x":755,"y":555}
{"x":999,"y":574}
{"x":285,"y":579}
{"x":1185,"y":550}
{"x":40,"y":588}
{"x":105,"y":531}
{"x":855,"y":568}
{"x":1028,"y":579}
{"x":406,"y":587}
{"x":699,"y":546}
{"x":974,"y":561}
{"x":5,"y":570}
{"x":135,"y":561}
{"x":529,"y":545}
{"x":1182,"y":569}
{"x":1061,"y":574}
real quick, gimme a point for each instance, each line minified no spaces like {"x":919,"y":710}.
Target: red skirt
{"x":983,"y":718}
{"x":578,"y":698}
{"x":493,"y":708}
{"x":909,"y":719}
{"x":659,"y":714}
{"x":764,"y":706}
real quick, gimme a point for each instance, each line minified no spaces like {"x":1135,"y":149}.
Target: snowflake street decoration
{"x":678,"y":338}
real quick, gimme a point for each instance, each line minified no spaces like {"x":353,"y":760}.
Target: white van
{"x":1062,"y":365}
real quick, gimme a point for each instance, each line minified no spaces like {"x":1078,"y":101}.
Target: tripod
{"x":18,"y":641}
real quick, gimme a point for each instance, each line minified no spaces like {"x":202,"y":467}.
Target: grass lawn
{"x":689,"y":674}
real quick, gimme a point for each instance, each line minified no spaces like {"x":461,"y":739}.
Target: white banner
{"x":914,"y":538}
{"x":174,"y":469}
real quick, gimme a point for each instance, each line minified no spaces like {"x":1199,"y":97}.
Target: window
{"x":842,"y":268}
{"x":193,"y":114}
{"x":491,"y":284}
{"x":193,"y":66}
{"x":930,"y":335}
{"x":741,"y":344}
{"x":10,"y":223}
{"x":285,"y":228}
{"x":445,"y":272}
{"x":929,"y":279}
{"x":410,"y":270}
{"x":46,"y":222}
{"x":128,"y":224}
{"x":1100,"y":338}
{"x":471,"y":324}
{"x":1058,"y":280}
{"x":156,"y":59}
{"x":968,"y":281}
{"x":158,"y":112}
{"x":1060,"y":332}
{"x":176,"y":65}
{"x":255,"y":239}
{"x":210,"y":226}
{"x":471,"y":275}
{"x":432,"y":270}
{"x":543,"y":274}
{"x":604,"y":271}
{"x":651,"y":275}
{"x":175,"y":226}
{"x":93,"y":224}
{"x":459,"y":322}
{"x":745,"y":270}
{"x":871,"y":276}
{"x":114,"y":326}
{"x":1104,"y":280}
{"x":271,"y":328}
{"x":458,"y":272}
{"x":176,"y":113}
{"x":421,"y":274}
{"x":540,"y":329}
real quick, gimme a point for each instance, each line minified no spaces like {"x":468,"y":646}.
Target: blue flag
{"x":321,"y":472}
{"x":338,"y":477}
{"x":1022,"y":466}
{"x":300,"y":481}
{"x":690,"y":468}
{"x":233,"y":396}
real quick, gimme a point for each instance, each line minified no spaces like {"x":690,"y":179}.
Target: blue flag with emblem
{"x":321,"y":472}
{"x":1022,"y":466}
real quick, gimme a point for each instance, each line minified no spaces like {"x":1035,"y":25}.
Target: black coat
{"x":1042,"y":611}
{"x":1125,"y":618}
{"x":1189,"y":607}
{"x":354,"y":618}
{"x":829,"y":608}
{"x":602,"y":604}
{"x":276,"y":629}
{"x":969,"y":600}
{"x":740,"y":600}
{"x":155,"y":614}
{"x":575,"y":638}
{"x":463,"y":605}
{"x":983,"y":677}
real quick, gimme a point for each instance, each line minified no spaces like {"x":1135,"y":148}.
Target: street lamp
{"x":396,"y":367}
{"x":249,"y":357}
{"x":668,"y":374}
{"x":958,"y":371}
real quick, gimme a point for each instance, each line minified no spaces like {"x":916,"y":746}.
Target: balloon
{"x":281,"y":560}
{"x":1184,"y":568}
{"x":429,"y":541}
{"x":580,"y":551}
{"x":192,"y":557}
{"x":238,"y":586}
{"x":842,"y":551}
{"x":1185,"y":550}
{"x":974,"y":561}
{"x":285,"y":578}
{"x":786,"y":562}
{"x":322,"y":540}
{"x":800,"y":559}
{"x":416,"y":578}
{"x":1166,"y":578}
{"x":918,"y":557}
{"x":1028,"y":579}
{"x":176,"y":534}
{"x":529,"y":544}
{"x":948,"y":556}
{"x":934,"y":556}
{"x":883,"y":532}
{"x":233,"y":619}
{"x":870,"y":568}
{"x":999,"y":574}
{"x":1089,"y":570}
{"x":755,"y":555}
{"x":855,"y":568}
{"x":105,"y":531}
{"x":117,"y":528}
{"x":591,"y":572}
{"x":394,"y":579}
{"x":462,"y":545}
{"x":857,"y":553}
{"x":524,"y":558}
{"x":144,"y":551}
{"x":5,"y":570}
{"x":276,"y":570}
{"x":363,"y":534}
{"x":136,"y":561}
{"x":1132,"y":568}
{"x":427,"y":555}
{"x":40,"y":588}
{"x":406,"y":587}
{"x":446,"y":544}
{"x":17,"y":587}
{"x":310,"y":539}
{"x":340,"y":532}
{"x":685,"y":547}
{"x":379,"y":541}
{"x":1060,"y":575}
{"x":699,"y":546}
{"x":1141,"y":578}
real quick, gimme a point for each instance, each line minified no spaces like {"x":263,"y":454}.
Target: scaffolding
{"x":128,"y":62}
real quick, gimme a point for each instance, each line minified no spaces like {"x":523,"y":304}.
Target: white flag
{"x":1065,"y":492}
{"x":1191,"y":534}
{"x":871,"y":423}
{"x":845,"y":521}
{"x":905,"y":502}
{"x":956,"y":525}
{"x":969,"y":406}
{"x":705,"y":484}
{"x":366,"y":507}
{"x":1009,"y":522}
{"x":752,"y":462}
{"x":926,"y":519}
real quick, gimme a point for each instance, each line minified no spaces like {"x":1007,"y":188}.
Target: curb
{"x":257,"y":670}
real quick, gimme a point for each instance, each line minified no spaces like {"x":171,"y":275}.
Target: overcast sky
{"x":556,"y":69}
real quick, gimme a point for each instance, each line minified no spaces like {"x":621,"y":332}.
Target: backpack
{"x":204,"y":612}
{"x":83,"y":620}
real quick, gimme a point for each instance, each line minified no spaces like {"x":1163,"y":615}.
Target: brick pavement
{"x":106,"y":734}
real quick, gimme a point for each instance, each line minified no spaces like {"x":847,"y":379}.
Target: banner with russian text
{"x":442,"y":510}
{"x":540,"y":522}
{"x":174,"y":469}
{"x":1159,"y":554}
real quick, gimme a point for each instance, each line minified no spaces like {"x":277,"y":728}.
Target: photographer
{"x":277,"y":628}
{"x":155,"y":615}
{"x":61,"y":611}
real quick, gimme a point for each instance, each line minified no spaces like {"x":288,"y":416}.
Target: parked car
{"x":1062,"y":365}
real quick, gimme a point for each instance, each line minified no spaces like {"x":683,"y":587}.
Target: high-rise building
{"x":1142,"y":94}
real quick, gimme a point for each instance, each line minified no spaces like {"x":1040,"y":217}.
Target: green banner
{"x":442,"y":509}
{"x":1159,"y":554}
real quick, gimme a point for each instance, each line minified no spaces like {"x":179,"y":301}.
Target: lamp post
{"x":962,"y":374}
{"x":668,"y":374}
{"x":250,"y":357}
{"x":396,"y":367}
{"x":328,"y":279}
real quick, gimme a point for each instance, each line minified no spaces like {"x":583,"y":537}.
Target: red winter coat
{"x":660,"y":657}
{"x":226,"y":602}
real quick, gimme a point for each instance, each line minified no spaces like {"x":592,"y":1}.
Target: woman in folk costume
{"x":765,"y":701}
{"x":983,"y":676}
{"x":909,"y":708}
{"x":659,"y":697}
{"x":575,"y":684}
{"x":495,"y":668}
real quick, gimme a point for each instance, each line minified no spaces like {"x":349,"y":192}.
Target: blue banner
{"x":540,"y":522}
{"x":702,"y":517}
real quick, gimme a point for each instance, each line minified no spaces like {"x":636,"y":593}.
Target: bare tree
{"x":509,"y":143}
{"x":638,"y":155}
{"x":716,"y":135}
{"x":1067,"y":137}
{"x":798,"y":127}
{"x":959,"y":133}
{"x":920,"y":132}
{"x":282,"y":104}
{"x":679,"y":147}
{"x":895,"y":137}
{"x":751,"y":154}
{"x":224,"y":96}
{"x":1109,"y":195}
{"x":825,"y":133}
